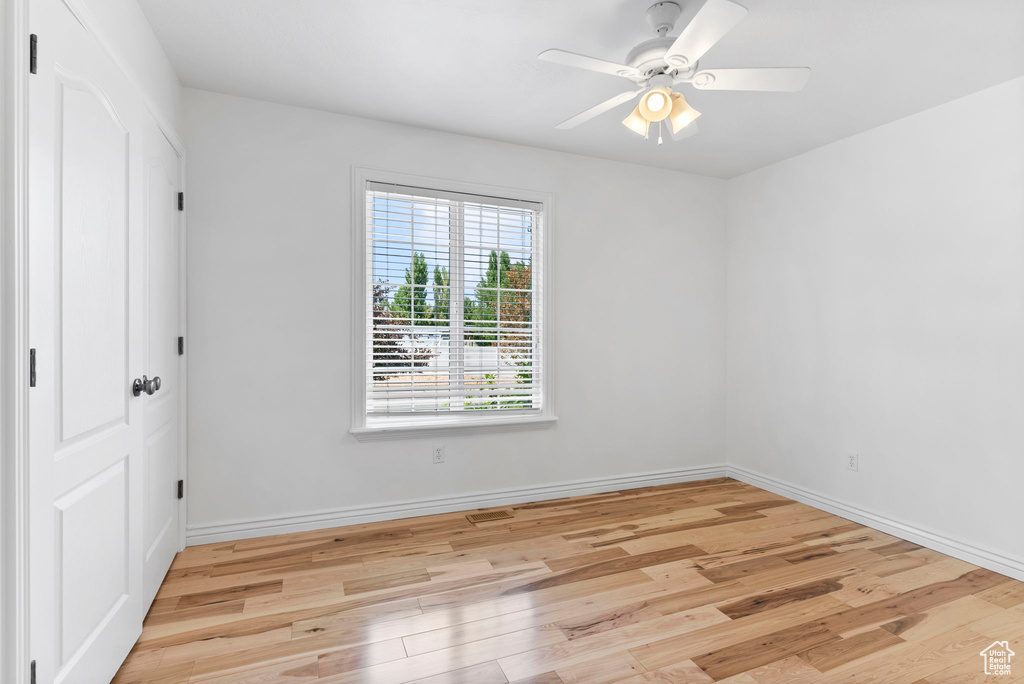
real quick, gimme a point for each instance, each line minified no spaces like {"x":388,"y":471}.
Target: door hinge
{"x":33,"y":56}
{"x":31,"y":367}
{"x":32,"y":672}
{"x":181,"y":489}
{"x":181,"y":346}
{"x":181,"y":201}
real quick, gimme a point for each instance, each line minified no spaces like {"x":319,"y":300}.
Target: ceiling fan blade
{"x":589,"y":114}
{"x":772,"y":79}
{"x":590,"y":63}
{"x":712,"y":21}
{"x":686,"y":132}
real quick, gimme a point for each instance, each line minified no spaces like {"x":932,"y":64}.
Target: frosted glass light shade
{"x":654,"y":97}
{"x":636,"y":122}
{"x":682,"y":113}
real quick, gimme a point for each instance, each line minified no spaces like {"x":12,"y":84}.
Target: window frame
{"x":366,"y":427}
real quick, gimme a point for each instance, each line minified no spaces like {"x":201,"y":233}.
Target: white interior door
{"x":160,"y":461}
{"x":85,"y":323}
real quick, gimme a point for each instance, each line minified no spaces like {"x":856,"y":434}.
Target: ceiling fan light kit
{"x":656,"y":65}
{"x":658,"y":105}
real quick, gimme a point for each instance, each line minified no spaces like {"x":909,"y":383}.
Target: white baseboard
{"x":957,"y":548}
{"x":337,"y":517}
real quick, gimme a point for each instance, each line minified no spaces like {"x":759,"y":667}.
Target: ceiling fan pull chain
{"x":659,"y":132}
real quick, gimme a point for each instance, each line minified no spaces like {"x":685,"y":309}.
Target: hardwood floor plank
{"x":570,"y":562}
{"x":790,"y":670}
{"x":807,"y":553}
{"x":219,"y":646}
{"x":358,"y":657}
{"x":1005,"y":595}
{"x":912,"y":602}
{"x":628,"y":637}
{"x":602,"y":670}
{"x":890,"y":565}
{"x":298,"y":671}
{"x":223,"y":608}
{"x":164,"y":605}
{"x":398,"y":579}
{"x":724,"y":573}
{"x":773,"y":599}
{"x":942,"y":618}
{"x":761,"y":650}
{"x":610,"y":567}
{"x":684,"y":583}
{"x":909,"y":663}
{"x":487,"y":673}
{"x":143,"y":663}
{"x":683,"y":574}
{"x":1007,"y":624}
{"x":224,"y":595}
{"x":673,"y":649}
{"x":605,"y":620}
{"x":556,"y":606}
{"x":695,"y":597}
{"x":444,"y":660}
{"x":686,"y":672}
{"x":170,"y":674}
{"x":265,"y":562}
{"x":546,"y":678}
{"x":896,"y":547}
{"x":340,"y":658}
{"x":511,"y":588}
{"x":833,"y":654}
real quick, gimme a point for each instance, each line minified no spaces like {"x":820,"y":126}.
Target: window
{"x":452,"y":308}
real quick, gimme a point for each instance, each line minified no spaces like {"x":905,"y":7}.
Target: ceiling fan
{"x":655,"y":65}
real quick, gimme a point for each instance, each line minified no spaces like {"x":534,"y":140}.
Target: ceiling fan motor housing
{"x":649,"y":58}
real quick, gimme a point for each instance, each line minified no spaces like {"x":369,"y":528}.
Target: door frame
{"x":179,"y":147}
{"x":15,"y":654}
{"x":14,"y":556}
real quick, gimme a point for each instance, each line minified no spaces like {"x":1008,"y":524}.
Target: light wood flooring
{"x":698,"y":582}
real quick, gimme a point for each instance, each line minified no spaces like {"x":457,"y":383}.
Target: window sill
{"x":375,"y":433}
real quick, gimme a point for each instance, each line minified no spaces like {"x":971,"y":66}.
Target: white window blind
{"x":453,"y":303}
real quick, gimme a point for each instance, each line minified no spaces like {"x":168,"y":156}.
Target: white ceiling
{"x":470,"y":67}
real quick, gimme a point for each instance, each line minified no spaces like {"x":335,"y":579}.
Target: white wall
{"x":270,"y":316}
{"x":876,"y":305}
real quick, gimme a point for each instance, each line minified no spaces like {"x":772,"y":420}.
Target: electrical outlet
{"x":438,"y":453}
{"x":852,"y":461}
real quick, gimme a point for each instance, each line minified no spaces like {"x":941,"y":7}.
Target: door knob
{"x":145,"y":385}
